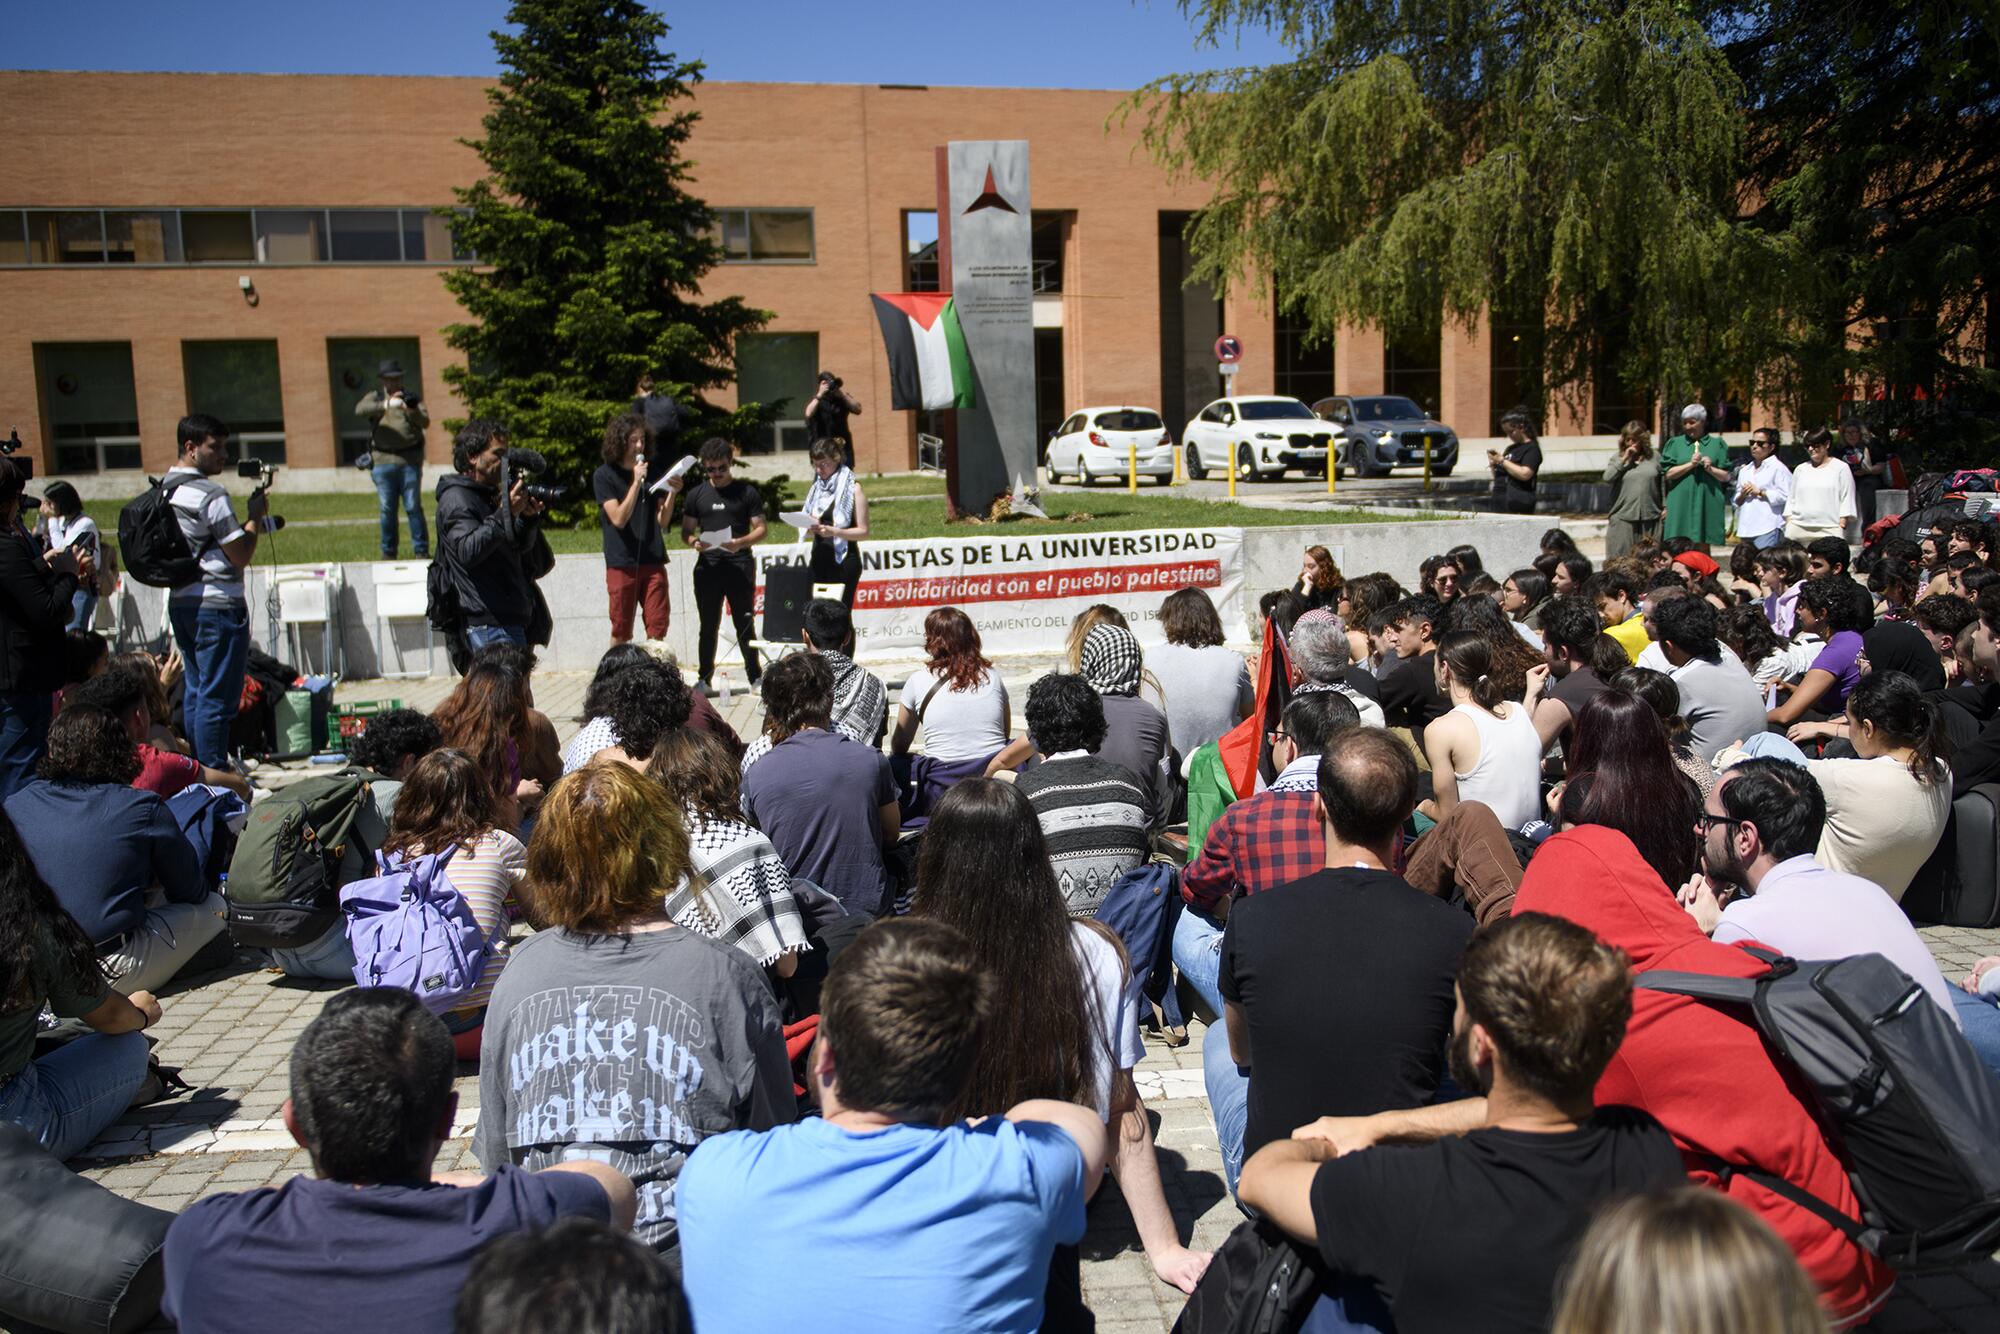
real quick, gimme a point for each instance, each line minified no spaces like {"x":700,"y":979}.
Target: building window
{"x":65,"y":237}
{"x":1614,"y":400}
{"x":1047,"y":235}
{"x":1514,"y":368}
{"x":920,"y":250}
{"x":237,"y":380}
{"x":777,"y":368}
{"x":1302,"y":365}
{"x":351,"y":365}
{"x":218,"y":238}
{"x":1414,"y":368}
{"x":90,"y":404}
{"x":765,"y":235}
{"x":233,"y":236}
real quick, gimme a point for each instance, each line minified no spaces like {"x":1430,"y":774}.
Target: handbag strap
{"x":929,"y":695}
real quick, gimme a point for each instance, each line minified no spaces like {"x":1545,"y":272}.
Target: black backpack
{"x":151,"y":546}
{"x":1915,"y":1112}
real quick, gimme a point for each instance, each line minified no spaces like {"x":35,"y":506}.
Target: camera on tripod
{"x":522,"y":464}
{"x":265,"y":473}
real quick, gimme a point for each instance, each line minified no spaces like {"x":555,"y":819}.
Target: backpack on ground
{"x":411,"y":929}
{"x":151,"y":545}
{"x":1915,"y":1113}
{"x":285,"y":875}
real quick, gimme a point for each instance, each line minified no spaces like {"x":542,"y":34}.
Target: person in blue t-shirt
{"x":371,"y":1240}
{"x":890,"y":1217}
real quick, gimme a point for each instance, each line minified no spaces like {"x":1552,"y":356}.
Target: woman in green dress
{"x":1695,"y":466}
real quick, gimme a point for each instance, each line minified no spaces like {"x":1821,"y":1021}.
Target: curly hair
{"x":797,"y":693}
{"x":392,"y":737}
{"x":28,"y":907}
{"x":645,"y":702}
{"x":1552,"y":997}
{"x":952,"y":643}
{"x":89,"y":746}
{"x":1065,"y":713}
{"x":618,"y":434}
{"x":1510,"y":657}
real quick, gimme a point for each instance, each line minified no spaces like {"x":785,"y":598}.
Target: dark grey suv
{"x":1379,"y":432}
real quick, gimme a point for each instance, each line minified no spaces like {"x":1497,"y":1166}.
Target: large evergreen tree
{"x":591,"y":249}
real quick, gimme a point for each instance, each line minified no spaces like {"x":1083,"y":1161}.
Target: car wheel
{"x":1440,"y":472}
{"x":1246,"y":464}
{"x":1084,"y":476}
{"x":1163,"y":479}
{"x":1196,"y":469}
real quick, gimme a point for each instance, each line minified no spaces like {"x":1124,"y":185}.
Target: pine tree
{"x":591,"y":247}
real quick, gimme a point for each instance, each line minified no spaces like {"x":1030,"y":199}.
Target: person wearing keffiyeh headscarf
{"x":840,"y":519}
{"x":1135,"y":733}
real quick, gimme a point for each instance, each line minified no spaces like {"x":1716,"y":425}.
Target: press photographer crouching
{"x":491,"y":548}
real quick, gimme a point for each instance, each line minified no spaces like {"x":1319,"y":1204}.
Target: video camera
{"x":11,"y":448}
{"x":520,"y":464}
{"x":265,"y":473}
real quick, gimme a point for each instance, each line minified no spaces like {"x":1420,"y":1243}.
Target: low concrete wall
{"x":575,"y":593}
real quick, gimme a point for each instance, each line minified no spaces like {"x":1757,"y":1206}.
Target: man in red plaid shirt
{"x":1264,"y":841}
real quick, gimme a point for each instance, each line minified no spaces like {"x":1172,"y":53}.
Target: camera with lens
{"x":11,"y":448}
{"x":830,"y":380}
{"x":265,"y":474}
{"x":518,"y":465}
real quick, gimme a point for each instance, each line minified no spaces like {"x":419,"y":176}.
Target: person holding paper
{"x":630,"y":513}
{"x":837,"y":519}
{"x":723,"y":519}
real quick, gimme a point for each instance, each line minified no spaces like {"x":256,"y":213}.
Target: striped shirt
{"x":1093,"y":817}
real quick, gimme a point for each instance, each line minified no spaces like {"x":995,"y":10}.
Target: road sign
{"x":1229,"y":349}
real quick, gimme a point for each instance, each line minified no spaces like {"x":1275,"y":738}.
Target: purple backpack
{"x":409,"y":928}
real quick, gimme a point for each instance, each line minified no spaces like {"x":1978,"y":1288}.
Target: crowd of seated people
{"x":850,"y":1003}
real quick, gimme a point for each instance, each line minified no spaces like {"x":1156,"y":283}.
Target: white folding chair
{"x":308,"y":596}
{"x":402,"y":594}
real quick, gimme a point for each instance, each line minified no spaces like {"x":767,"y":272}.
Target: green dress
{"x":1697,"y":504}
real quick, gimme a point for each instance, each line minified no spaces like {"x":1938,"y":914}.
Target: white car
{"x":1260,"y":435}
{"x":1096,"y":443}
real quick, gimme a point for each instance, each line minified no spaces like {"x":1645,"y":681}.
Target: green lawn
{"x":337,"y":527}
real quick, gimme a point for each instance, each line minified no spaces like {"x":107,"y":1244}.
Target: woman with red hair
{"x":959,"y":705}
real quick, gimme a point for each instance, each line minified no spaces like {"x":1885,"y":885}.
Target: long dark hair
{"x":985,"y":870}
{"x":1896,"y":705}
{"x":1510,"y":655}
{"x":616,"y":660}
{"x":446,"y":801}
{"x":1622,"y":775}
{"x":28,"y":907}
{"x":487,"y":709}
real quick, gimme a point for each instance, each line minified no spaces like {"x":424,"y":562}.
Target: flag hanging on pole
{"x":928,"y":365}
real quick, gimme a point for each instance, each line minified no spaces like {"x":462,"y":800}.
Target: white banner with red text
{"x":1023,"y":591}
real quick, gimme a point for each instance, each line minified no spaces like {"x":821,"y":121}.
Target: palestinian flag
{"x":928,"y":365}
{"x":1246,"y":748}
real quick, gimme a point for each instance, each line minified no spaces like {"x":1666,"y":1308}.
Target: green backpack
{"x":297,"y":848}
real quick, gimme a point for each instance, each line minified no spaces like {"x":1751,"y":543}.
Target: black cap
{"x":390,"y":366}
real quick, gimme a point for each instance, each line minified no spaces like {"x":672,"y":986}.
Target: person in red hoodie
{"x":1704,"y":1073}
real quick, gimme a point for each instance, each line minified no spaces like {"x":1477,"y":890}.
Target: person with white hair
{"x":1695,"y":467}
{"x":1320,"y":651}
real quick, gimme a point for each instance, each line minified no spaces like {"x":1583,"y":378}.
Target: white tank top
{"x":1507,"y":774}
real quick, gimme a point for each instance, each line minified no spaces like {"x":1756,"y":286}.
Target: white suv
{"x":1259,"y":435}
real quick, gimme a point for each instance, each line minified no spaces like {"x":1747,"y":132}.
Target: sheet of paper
{"x":798,"y":519}
{"x":715,"y":537}
{"x":680,"y":466}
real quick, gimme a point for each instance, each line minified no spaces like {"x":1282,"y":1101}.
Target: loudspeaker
{"x":787,"y":589}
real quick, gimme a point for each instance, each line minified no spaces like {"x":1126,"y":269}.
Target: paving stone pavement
{"x":231,"y":1032}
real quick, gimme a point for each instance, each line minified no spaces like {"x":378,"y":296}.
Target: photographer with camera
{"x":827,"y":414}
{"x":397,"y":420}
{"x":35,"y":593}
{"x":210,"y":618}
{"x":490,"y":542}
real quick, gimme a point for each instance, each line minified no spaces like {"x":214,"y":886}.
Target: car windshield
{"x":1273,"y":410}
{"x":1129,"y":419}
{"x":1387,"y":409}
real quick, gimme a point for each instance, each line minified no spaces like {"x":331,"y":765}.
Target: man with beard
{"x":1759,"y":827}
{"x":1469,"y":1231}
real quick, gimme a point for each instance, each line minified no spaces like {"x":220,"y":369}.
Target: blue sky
{"x":1014,"y":43}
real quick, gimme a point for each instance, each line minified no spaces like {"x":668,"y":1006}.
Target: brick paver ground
{"x":231,"y":1032}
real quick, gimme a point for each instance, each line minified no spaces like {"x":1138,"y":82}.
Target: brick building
{"x":251,"y":245}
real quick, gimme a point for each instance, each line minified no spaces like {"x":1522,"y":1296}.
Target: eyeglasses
{"x":1705,"y":822}
{"x":1276,"y":737}
{"x":712,"y":469}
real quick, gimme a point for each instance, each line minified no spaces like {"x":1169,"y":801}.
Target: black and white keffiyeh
{"x":737,"y":891}
{"x":1111,"y":661}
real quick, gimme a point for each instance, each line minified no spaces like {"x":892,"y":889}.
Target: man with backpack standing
{"x":210,"y":618}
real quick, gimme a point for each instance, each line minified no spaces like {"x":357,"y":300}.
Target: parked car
{"x":1379,"y":432}
{"x":1096,"y":443}
{"x":1259,"y":435}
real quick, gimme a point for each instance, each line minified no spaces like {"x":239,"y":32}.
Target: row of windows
{"x":227,"y":236}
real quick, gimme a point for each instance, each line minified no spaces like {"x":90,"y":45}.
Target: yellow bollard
{"x":1132,"y":469}
{"x":1332,"y":468}
{"x":1232,"y":474}
{"x":1427,"y":461}
{"x":1177,"y":465}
